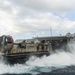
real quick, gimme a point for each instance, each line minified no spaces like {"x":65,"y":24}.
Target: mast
{"x":51,"y":30}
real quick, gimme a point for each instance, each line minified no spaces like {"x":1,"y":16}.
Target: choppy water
{"x":58,"y":63}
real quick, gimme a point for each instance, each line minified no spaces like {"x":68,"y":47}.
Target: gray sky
{"x":31,"y":18}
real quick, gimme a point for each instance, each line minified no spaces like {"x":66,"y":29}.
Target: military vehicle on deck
{"x":20,"y":50}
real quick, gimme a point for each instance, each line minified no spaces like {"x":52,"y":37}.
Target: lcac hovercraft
{"x":20,"y":50}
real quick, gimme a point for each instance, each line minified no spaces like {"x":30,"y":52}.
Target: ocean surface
{"x":59,"y":63}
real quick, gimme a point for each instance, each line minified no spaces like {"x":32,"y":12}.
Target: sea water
{"x":46,"y":64}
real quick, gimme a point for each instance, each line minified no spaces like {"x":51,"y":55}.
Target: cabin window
{"x":8,"y":40}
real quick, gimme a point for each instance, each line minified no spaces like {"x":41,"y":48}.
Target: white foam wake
{"x":35,"y":65}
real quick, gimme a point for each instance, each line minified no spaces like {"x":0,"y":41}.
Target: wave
{"x":35,"y":65}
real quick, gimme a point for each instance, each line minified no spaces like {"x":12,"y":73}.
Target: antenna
{"x":51,"y":30}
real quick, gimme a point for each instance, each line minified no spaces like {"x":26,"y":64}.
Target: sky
{"x":24,"y":19}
